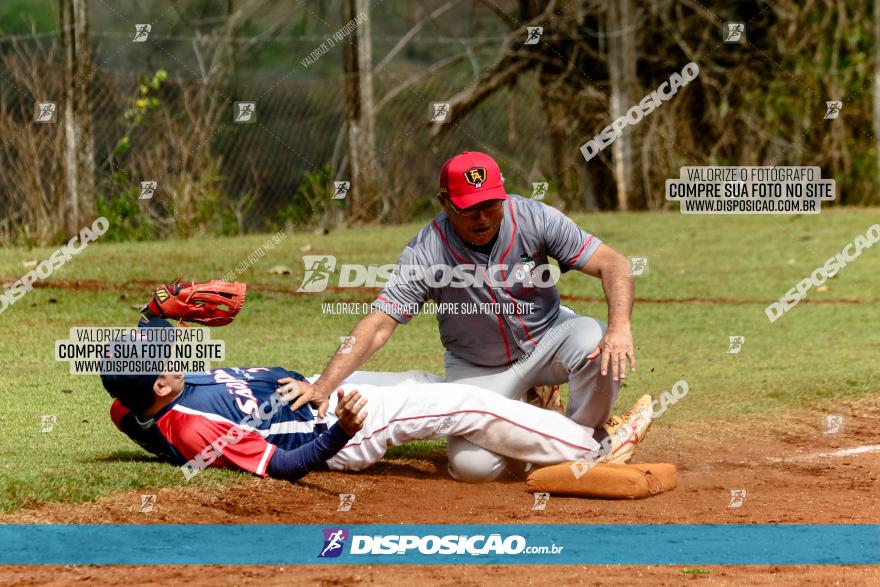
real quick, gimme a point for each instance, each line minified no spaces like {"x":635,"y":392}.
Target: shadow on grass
{"x":126,"y":456}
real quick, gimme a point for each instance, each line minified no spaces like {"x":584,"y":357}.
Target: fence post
{"x":621,"y":75}
{"x":359,"y":112}
{"x":79,"y":142}
{"x":876,"y":90}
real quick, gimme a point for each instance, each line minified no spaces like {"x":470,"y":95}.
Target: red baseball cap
{"x":470,"y":178}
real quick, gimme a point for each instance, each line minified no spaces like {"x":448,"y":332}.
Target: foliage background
{"x":756,"y":104}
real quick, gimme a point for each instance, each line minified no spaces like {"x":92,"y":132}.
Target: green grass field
{"x":817,"y":352}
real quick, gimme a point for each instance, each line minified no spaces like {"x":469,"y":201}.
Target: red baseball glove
{"x":215,"y":303}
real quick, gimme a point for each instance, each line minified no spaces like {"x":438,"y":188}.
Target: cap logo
{"x":475,"y":176}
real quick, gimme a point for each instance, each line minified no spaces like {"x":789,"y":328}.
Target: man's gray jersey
{"x":513,"y":279}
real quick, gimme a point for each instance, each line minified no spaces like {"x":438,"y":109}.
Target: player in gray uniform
{"x":484,"y":260}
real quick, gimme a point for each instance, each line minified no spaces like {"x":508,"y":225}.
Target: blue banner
{"x":686,"y":544}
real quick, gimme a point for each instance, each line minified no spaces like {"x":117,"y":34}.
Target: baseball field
{"x":781,"y":427}
{"x":695,"y":182}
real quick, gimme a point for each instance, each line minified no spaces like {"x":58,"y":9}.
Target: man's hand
{"x":617,"y":344}
{"x":301,"y":393}
{"x":348,"y":410}
{"x":366,"y":338}
{"x":616,"y":347}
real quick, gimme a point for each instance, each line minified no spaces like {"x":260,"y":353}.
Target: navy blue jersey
{"x":213,"y":403}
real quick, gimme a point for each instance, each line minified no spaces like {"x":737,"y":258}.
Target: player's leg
{"x":383,"y":378}
{"x":386,"y":378}
{"x":591,"y":395}
{"x":468,"y":462}
{"x":561,"y":355}
{"x":471,"y":464}
{"x":518,"y":430}
{"x":542,"y":366}
{"x":424,"y":412}
{"x":501,"y":380}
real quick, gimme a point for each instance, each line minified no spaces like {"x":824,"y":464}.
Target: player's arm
{"x":293,"y":464}
{"x":402,"y":297}
{"x":576,"y":249}
{"x":369,"y":335}
{"x":221,"y":443}
{"x":616,"y":347}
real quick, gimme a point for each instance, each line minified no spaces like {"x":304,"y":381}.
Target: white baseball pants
{"x":403,"y":407}
{"x":560,"y":356}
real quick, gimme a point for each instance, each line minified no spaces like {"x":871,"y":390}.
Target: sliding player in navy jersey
{"x":241,"y":418}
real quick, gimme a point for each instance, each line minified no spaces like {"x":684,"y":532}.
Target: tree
{"x":622,"y":78}
{"x":359,"y":111}
{"x":79,"y":143}
{"x":876,"y":89}
{"x":559,"y":59}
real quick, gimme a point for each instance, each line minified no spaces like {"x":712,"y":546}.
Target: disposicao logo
{"x":334,"y":542}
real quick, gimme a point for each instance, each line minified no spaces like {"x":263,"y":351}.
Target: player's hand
{"x":301,"y":393}
{"x":616,"y":347}
{"x":348,"y":410}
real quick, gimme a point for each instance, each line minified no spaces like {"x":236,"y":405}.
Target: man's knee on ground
{"x":472,"y":464}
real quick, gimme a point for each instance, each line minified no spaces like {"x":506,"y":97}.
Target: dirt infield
{"x":447,"y":575}
{"x":792,"y":473}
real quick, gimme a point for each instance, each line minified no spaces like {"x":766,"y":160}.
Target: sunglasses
{"x":490,"y":206}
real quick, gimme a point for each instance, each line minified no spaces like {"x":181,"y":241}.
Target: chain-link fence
{"x":216,"y":174}
{"x":758,"y":103}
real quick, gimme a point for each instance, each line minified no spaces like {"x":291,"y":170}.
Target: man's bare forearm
{"x":613,"y":270}
{"x":368,"y":336}
{"x":619,"y":292}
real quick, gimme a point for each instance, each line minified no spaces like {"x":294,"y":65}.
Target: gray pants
{"x":560,"y":356}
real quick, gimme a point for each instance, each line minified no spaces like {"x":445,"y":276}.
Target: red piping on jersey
{"x":446,"y":242}
{"x":498,"y":317}
{"x":507,"y":289}
{"x":581,"y":252}
{"x":393,"y":420}
{"x":461,"y":260}
{"x":394,"y":305}
{"x":512,"y":233}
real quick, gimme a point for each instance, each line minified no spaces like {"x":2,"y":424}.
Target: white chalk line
{"x":843,"y":452}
